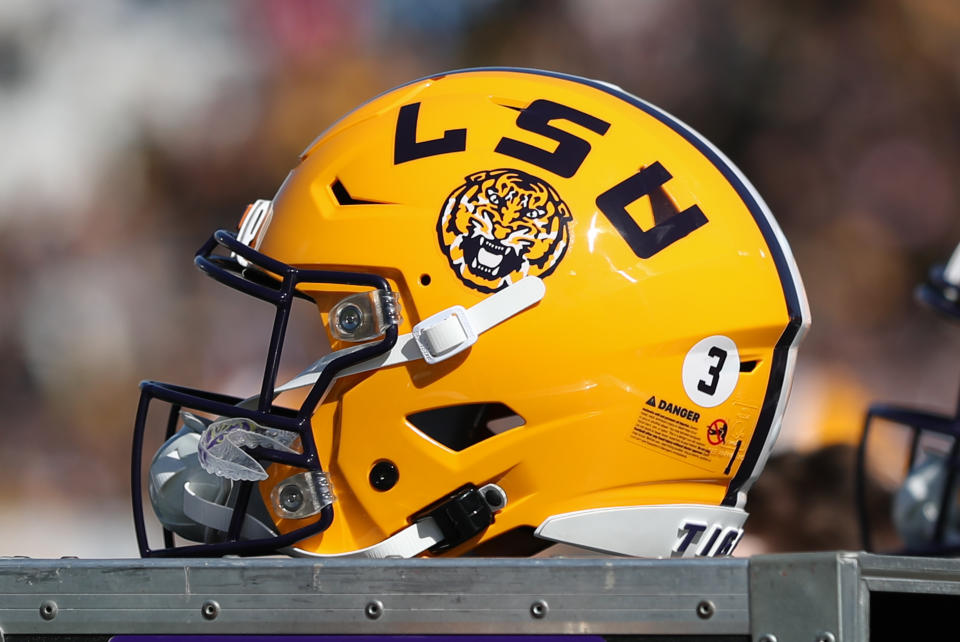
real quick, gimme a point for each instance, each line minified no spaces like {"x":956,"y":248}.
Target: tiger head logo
{"x":501,"y":225}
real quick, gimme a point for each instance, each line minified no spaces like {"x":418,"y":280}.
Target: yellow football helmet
{"x":555,"y":312}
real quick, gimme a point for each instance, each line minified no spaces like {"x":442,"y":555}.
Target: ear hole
{"x":465,"y":425}
{"x":424,"y":279}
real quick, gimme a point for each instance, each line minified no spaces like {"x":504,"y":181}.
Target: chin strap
{"x":465,"y":513}
{"x":409,"y":542}
{"x":440,"y":336}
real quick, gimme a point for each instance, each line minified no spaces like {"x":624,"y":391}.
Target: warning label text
{"x":669,"y":434}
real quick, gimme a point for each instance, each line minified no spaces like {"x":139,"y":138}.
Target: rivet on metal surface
{"x":767,"y":637}
{"x":706,"y":609}
{"x":826,"y":636}
{"x":539,"y":609}
{"x":210,"y":609}
{"x":374,"y":609}
{"x":48,"y":609}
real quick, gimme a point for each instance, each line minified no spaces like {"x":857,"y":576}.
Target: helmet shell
{"x":655,"y":369}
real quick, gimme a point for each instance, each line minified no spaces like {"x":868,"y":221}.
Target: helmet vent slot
{"x":459,"y":427}
{"x":344,"y":198}
{"x":749,"y":366}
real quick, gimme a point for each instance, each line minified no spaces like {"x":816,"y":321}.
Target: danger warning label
{"x":671,"y":429}
{"x":673,"y":409}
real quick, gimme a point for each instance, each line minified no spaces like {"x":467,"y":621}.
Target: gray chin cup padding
{"x":173,"y":467}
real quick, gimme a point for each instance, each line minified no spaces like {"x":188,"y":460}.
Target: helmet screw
{"x":291,"y":498}
{"x":384,"y":475}
{"x":210,"y":610}
{"x":826,"y":636}
{"x":48,"y":609}
{"x":767,"y":637}
{"x":374,"y":609}
{"x":349,"y":318}
{"x":494,"y":496}
{"x":705,"y":610}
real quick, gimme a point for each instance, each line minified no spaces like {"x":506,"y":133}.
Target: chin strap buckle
{"x":465,"y":513}
{"x":444,"y":334}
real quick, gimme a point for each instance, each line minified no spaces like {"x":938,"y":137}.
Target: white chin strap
{"x":434,"y":339}
{"x":438,"y":337}
{"x":409,"y":542}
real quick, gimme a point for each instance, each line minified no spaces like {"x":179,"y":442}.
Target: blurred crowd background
{"x":132,"y":129}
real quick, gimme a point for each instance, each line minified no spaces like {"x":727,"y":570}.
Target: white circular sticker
{"x":710,"y":371}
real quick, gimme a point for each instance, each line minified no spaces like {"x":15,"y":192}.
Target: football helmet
{"x":925,"y":509}
{"x":555,"y":313}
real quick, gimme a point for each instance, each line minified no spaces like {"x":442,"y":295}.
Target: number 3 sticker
{"x":710,"y":371}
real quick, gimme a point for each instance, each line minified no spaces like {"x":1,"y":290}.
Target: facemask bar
{"x":919,"y":422}
{"x":254,"y":278}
